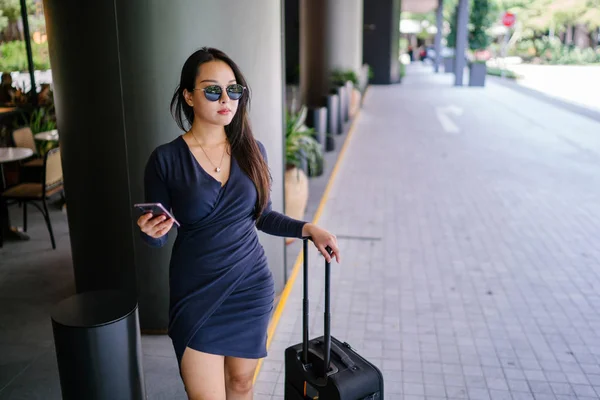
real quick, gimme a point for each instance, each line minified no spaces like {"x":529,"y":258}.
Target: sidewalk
{"x":466,"y":219}
{"x":578,"y":84}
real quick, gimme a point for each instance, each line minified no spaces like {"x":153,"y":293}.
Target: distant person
{"x":7,"y":91}
{"x":216,"y":180}
{"x":45,"y":95}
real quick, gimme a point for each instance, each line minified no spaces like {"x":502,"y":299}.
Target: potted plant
{"x":477,"y":72}
{"x":341,"y":77}
{"x":303,"y":158}
{"x":479,"y":19}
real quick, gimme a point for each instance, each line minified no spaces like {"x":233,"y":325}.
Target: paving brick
{"x":516,"y":385}
{"x":584,"y":390}
{"x":522,"y":396}
{"x":482,"y":281}
{"x":562,"y":389}
{"x":479,"y":394}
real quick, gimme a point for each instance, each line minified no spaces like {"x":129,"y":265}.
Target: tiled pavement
{"x":470,"y":259}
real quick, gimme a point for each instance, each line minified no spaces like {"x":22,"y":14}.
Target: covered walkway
{"x":468,"y":220}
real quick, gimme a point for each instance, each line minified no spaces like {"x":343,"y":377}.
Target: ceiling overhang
{"x":418,"y":6}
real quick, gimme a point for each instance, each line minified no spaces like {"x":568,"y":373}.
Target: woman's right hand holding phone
{"x":155,"y":227}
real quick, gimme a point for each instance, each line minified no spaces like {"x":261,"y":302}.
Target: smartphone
{"x":156,"y":209}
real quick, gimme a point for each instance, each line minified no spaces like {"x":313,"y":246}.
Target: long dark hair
{"x":239,"y":133}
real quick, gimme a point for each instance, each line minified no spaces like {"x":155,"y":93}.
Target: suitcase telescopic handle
{"x":326,"y":313}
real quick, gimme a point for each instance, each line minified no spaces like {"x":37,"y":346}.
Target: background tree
{"x":3,"y":21}
{"x":480,"y":20}
{"x":11,"y":10}
{"x":452,"y":20}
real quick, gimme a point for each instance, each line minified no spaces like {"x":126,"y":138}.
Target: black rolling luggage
{"x":349,"y":376}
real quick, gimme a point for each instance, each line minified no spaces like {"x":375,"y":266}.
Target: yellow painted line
{"x":290,"y":283}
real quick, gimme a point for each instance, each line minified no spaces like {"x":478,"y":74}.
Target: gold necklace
{"x":217,"y":169}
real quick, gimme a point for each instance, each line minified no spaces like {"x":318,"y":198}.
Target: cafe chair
{"x":52,"y":183}
{"x":32,"y":169}
{"x":23,"y":137}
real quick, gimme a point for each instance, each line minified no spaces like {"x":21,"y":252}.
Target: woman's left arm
{"x":277,"y":224}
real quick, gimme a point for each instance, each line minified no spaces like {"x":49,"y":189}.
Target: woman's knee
{"x":239,"y":383}
{"x":203,"y":375}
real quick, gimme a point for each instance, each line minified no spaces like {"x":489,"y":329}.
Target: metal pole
{"x":29,"y":52}
{"x":438,"y":35}
{"x":284,"y":125}
{"x":461,"y":41}
{"x":505,"y":45}
{"x":305,"y":303}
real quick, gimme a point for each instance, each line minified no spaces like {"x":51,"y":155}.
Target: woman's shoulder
{"x":262,"y":148}
{"x":167,"y":150}
{"x":166,"y":153}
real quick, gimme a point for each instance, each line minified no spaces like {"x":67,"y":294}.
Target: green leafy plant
{"x":12,"y":9}
{"x":3,"y":21}
{"x":41,"y":119}
{"x":453,"y":20}
{"x":498,"y":72}
{"x":340,"y":77}
{"x":480,"y":20}
{"x":13,"y":56}
{"x":301,"y":148}
{"x":546,"y":50}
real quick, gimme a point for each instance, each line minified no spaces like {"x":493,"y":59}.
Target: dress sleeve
{"x":155,"y":191}
{"x":274,"y":223}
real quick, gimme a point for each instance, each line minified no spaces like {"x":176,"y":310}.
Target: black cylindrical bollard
{"x":317,"y":119}
{"x":332,"y":121}
{"x":98,"y":346}
{"x":341,"y":91}
{"x":333,"y":113}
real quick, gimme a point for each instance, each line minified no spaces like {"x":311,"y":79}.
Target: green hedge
{"x":498,"y":72}
{"x":552,"y":51}
{"x":13,"y":56}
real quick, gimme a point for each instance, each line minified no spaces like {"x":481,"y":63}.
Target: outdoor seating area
{"x":30,"y":174}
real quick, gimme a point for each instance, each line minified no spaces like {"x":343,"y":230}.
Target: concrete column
{"x":115,"y":67}
{"x":438,"y":36}
{"x":461,"y":41}
{"x":344,"y":35}
{"x":292,"y":41}
{"x":330,"y":38}
{"x":381,"y":39}
{"x":314,"y":79}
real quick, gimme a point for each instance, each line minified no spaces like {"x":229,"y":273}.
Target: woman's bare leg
{"x":203,"y":375}
{"x":239,"y":373}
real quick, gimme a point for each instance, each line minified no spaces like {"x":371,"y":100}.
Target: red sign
{"x":508,"y":19}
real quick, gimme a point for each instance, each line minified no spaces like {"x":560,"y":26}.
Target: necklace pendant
{"x":217,"y":169}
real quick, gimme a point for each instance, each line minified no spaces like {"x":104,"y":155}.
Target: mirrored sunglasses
{"x":214,"y":92}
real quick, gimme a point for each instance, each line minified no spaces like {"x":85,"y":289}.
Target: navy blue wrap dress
{"x":221,"y":288}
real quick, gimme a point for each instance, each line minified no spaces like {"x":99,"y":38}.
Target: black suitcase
{"x":349,"y":376}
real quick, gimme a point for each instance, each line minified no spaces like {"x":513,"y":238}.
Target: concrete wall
{"x":345,"y":34}
{"x":115,"y":67}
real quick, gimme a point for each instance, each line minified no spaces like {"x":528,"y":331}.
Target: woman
{"x":216,"y":180}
